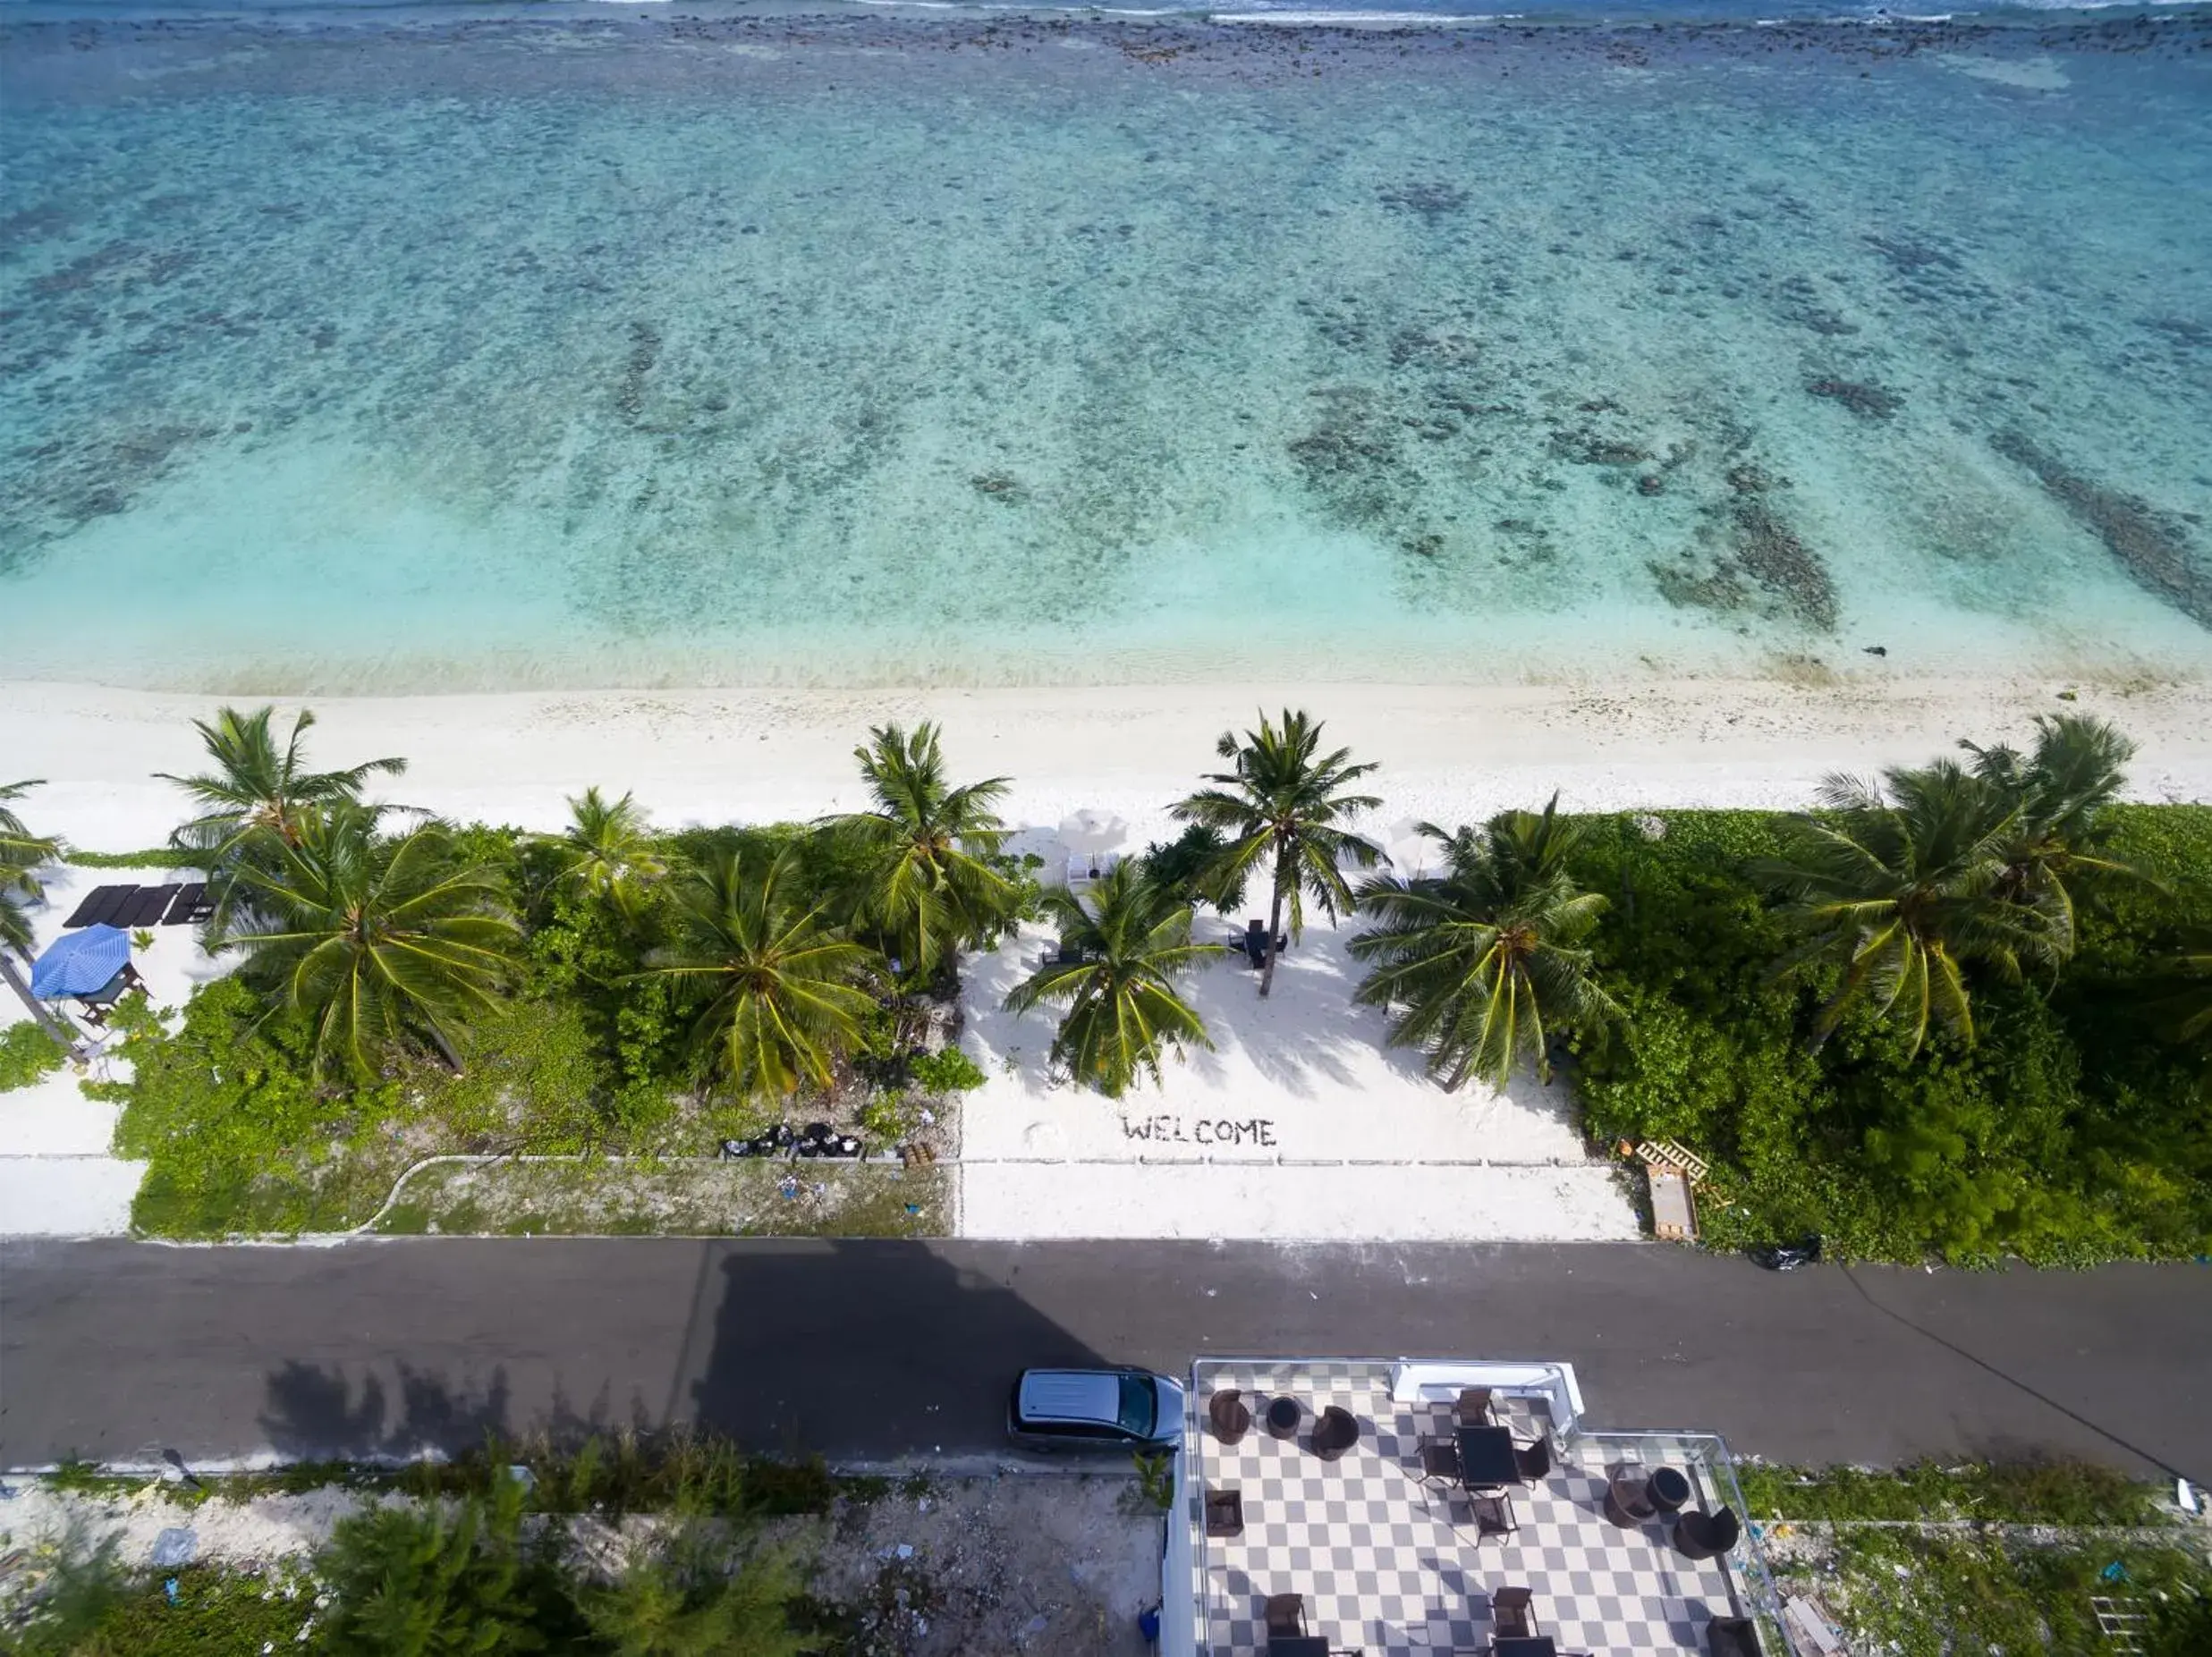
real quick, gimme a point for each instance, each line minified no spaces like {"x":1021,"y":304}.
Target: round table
{"x":1667,"y":1489}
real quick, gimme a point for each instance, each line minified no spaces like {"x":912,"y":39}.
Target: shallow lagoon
{"x":419,"y":354}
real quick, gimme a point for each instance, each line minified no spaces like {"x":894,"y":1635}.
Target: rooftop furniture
{"x":1512,"y":1614}
{"x":1493,"y":1517}
{"x":1668,"y":1488}
{"x":1534,"y":1461}
{"x":1336,"y":1431}
{"x":1699,"y":1535}
{"x":1473,"y":1408}
{"x":1731,"y":1636}
{"x":1486,"y":1458}
{"x":1298,"y":1645}
{"x":1225,"y":1513}
{"x":1628,"y":1494}
{"x":1282,"y":1417}
{"x":1524,"y":1646}
{"x":1439,"y":1462}
{"x":90,"y":963}
{"x":1225,"y":1413}
{"x":1285,"y":1613}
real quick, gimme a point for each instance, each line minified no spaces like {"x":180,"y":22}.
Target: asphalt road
{"x":874,"y":1350}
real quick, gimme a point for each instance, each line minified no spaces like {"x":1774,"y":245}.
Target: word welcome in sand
{"x":1201,"y":1131}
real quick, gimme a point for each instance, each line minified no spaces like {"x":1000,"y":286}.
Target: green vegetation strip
{"x":1997,"y":1587}
{"x":1961,"y":1011}
{"x":596,"y":1197}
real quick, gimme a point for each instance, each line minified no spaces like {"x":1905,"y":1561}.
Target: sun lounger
{"x":181,"y":906}
{"x":98,"y":905}
{"x":148,"y":905}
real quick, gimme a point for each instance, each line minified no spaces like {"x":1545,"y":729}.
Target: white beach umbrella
{"x":1092,"y":829}
{"x":1411,"y":852}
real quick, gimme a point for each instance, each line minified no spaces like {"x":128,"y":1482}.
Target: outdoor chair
{"x":1440,"y":1461}
{"x":1534,"y":1460}
{"x":1286,"y":1614}
{"x":1225,"y":1513}
{"x":1493,"y":1517}
{"x":1628,"y":1495}
{"x":1336,"y":1431}
{"x":1511,"y":1616}
{"x":1228,"y":1416}
{"x":1699,"y":1535}
{"x":1731,"y":1636}
{"x":1282,"y":1418}
{"x":1473,"y":1408}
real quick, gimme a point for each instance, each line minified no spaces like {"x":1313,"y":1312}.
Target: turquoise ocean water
{"x":432,"y":347}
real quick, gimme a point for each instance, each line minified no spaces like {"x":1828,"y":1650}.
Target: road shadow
{"x":866,"y":1348}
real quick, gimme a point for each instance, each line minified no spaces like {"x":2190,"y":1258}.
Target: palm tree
{"x":1481,"y":965}
{"x":1904,"y":883}
{"x":606,"y":850}
{"x":2185,"y":1011}
{"x":934,"y":891}
{"x":255,"y":787}
{"x":2058,"y":793}
{"x":786,"y":994}
{"x":21,"y":854}
{"x":373,"y":937}
{"x":1127,"y":948}
{"x":1283,"y":801}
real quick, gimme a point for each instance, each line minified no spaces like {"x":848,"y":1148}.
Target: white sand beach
{"x":1357,"y":1142}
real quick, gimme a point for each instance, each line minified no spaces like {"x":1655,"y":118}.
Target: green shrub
{"x":2055,"y":1137}
{"x":237,"y":1133}
{"x":28,"y":1053}
{"x":2074,"y":1493}
{"x":948,"y":1070}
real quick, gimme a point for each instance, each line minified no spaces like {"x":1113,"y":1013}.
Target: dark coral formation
{"x":644,"y":353}
{"x":1863,"y":398}
{"x":2151,"y":546}
{"x":1431,"y":200}
{"x":1763,"y":564}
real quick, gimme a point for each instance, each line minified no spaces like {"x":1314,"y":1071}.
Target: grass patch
{"x":2032,"y":1492}
{"x":28,"y":1053}
{"x":1976,"y":1595}
{"x":710,"y":1199}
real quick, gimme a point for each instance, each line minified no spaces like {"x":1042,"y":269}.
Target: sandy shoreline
{"x":1456,"y":752}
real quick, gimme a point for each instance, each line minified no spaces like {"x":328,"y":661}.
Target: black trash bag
{"x":1787,"y":1256}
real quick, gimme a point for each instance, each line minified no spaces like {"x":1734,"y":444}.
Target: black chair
{"x":1699,"y":1535}
{"x":1336,"y":1431}
{"x":1282,"y":1418}
{"x":1226,"y":1414}
{"x":1440,"y":1461}
{"x":1534,"y":1460}
{"x":1512,"y":1617}
{"x":1225,"y":1513}
{"x":1493,"y":1517}
{"x":1473,"y":1408}
{"x":1285,"y":1613}
{"x":1731,"y":1636}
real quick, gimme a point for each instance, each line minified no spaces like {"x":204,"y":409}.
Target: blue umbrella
{"x":80,"y":962}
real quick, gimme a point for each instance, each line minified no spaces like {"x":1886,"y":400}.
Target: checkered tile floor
{"x":1383,"y":1565}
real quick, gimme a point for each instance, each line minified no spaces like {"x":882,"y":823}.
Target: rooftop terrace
{"x":1387,"y":1555}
